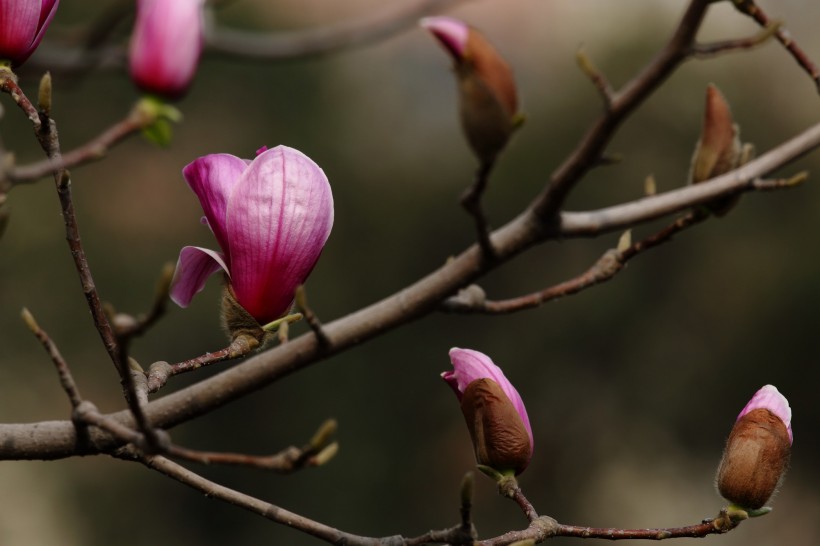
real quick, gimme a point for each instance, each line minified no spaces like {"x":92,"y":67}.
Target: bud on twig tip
{"x":625,"y":241}
{"x":28,"y":318}
{"x":323,"y":434}
{"x":44,"y":95}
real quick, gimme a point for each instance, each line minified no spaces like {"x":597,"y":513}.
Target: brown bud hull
{"x":756,"y":457}
{"x":499,"y":436}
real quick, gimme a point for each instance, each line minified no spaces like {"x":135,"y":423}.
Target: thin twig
{"x":310,"y":317}
{"x":318,"y":451}
{"x":127,"y":327}
{"x":708,"y":50}
{"x":724,"y":523}
{"x":748,"y":7}
{"x":93,"y":150}
{"x":604,"y":269}
{"x":596,"y":76}
{"x":66,"y":379}
{"x":471,"y":201}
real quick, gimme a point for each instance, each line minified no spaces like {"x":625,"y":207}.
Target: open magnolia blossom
{"x":758,"y":450}
{"x":22,"y":26}
{"x":487,"y":91}
{"x":165,"y":46}
{"x":494,"y":412}
{"x":271,"y":217}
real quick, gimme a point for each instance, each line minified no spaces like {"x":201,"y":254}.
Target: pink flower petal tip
{"x":451,"y":32}
{"x":768,"y":397}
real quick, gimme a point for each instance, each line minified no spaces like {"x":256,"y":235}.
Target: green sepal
{"x":158,"y":117}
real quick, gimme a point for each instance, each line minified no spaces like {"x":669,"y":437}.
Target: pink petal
{"x":49,"y":8}
{"x":166,"y":45}
{"x":768,"y":397}
{"x":213,"y":178}
{"x":470,"y":365}
{"x":279,"y":216}
{"x":451,"y":32}
{"x":194,"y":266}
{"x":18,"y":27}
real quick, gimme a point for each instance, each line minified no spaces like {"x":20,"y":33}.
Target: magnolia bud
{"x":719,"y":150}
{"x":493,"y":410}
{"x":757,"y":451}
{"x":487,"y":92}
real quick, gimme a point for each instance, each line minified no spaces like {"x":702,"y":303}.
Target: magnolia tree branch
{"x":93,"y":150}
{"x":389,"y":19}
{"x":57,"y":439}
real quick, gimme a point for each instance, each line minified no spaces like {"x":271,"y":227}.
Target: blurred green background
{"x":631,"y":387}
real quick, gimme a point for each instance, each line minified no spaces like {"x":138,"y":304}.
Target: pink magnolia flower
{"x":166,"y":45}
{"x":758,"y":450}
{"x":493,"y":409}
{"x":271,"y":217}
{"x":22,"y":26}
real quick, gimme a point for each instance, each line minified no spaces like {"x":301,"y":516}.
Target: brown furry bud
{"x":755,"y":459}
{"x":499,"y":436}
{"x":488,"y":99}
{"x":240,"y":325}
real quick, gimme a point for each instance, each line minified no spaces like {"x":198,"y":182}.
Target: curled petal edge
{"x":194,"y":266}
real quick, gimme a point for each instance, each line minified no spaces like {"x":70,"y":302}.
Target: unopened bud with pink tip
{"x":494,"y":412}
{"x":487,"y":92}
{"x":757,"y":451}
{"x":165,"y":46}
{"x":719,"y":149}
{"x":22,"y":26}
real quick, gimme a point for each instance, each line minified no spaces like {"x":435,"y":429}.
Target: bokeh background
{"x":631,"y":386}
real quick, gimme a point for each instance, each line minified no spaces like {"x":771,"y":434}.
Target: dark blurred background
{"x":631,"y":387}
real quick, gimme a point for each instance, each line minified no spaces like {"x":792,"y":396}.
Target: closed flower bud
{"x":493,"y":410}
{"x":22,"y":26}
{"x":719,"y":149}
{"x":487,"y":93}
{"x":757,"y":452}
{"x":271,"y":217}
{"x":166,"y":45}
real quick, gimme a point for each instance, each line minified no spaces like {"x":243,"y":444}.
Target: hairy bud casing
{"x":499,"y":437}
{"x":757,"y":452}
{"x":488,"y":102}
{"x":493,"y":410}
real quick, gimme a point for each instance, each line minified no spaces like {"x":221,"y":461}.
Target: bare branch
{"x":705,"y":51}
{"x":621,"y":105}
{"x":66,"y":379}
{"x":748,"y":7}
{"x":596,"y":76}
{"x":57,"y":439}
{"x":471,"y":201}
{"x":93,"y":150}
{"x":358,"y":31}
{"x":607,"y":266}
{"x":579,"y":224}
{"x":310,"y":317}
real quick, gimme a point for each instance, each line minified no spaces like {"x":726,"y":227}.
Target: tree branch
{"x":358,"y":31}
{"x":56,"y":439}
